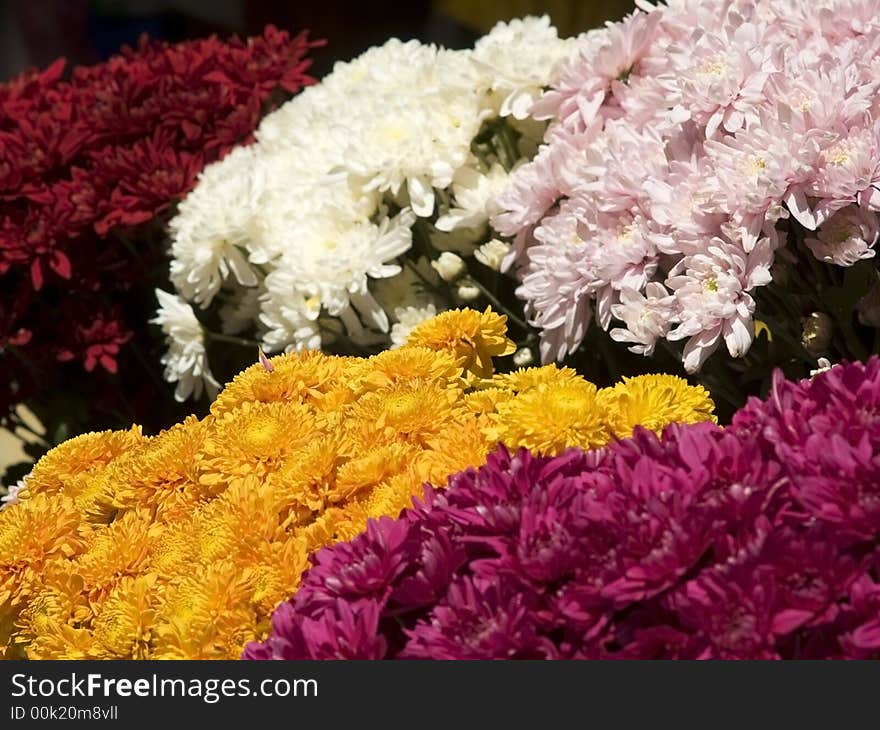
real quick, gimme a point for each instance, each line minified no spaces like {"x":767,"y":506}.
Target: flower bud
{"x":868,"y":308}
{"x":523,"y":357}
{"x":492,"y":254}
{"x":449,"y":266}
{"x":816,"y":335}
{"x":823,"y":364}
{"x":468,"y":293}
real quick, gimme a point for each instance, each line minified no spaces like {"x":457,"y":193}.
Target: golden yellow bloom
{"x":653,"y":401}
{"x":487,"y":400}
{"x":44,"y":529}
{"x":254,"y":438}
{"x":295,"y":377}
{"x":407,"y":364}
{"x":182,"y":545}
{"x":161,"y":472}
{"x":124,"y":629}
{"x":550,"y":418}
{"x":469,"y":336}
{"x":84,"y":454}
{"x":525,"y":378}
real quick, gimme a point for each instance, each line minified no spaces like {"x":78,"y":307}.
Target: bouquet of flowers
{"x":711,"y":172}
{"x":402,"y":478}
{"x":758,"y":541}
{"x":363,"y":207}
{"x":91,"y":164}
{"x":181,"y":545}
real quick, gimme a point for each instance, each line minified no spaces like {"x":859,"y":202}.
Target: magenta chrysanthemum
{"x":754,"y":541}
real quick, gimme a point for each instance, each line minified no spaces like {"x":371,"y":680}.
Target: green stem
{"x":422,"y":237}
{"x":497,"y":304}
{"x":610,"y":358}
{"x":231,"y":339}
{"x":506,"y":147}
{"x":429,"y":285}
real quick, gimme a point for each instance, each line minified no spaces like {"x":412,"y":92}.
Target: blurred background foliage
{"x":86,"y":31}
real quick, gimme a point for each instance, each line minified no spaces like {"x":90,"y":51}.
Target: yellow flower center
{"x":840,"y":154}
{"x":715,"y":67}
{"x":261,"y":436}
{"x":756,"y":165}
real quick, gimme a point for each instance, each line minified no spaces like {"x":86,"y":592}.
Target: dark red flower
{"x":88,"y":160}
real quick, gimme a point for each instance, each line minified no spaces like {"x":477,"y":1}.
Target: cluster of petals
{"x":686,"y":142}
{"x":181,"y":545}
{"x":756,"y":541}
{"x":305,"y":238}
{"x":89,"y":157}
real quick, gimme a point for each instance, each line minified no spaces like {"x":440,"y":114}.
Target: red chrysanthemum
{"x":88,"y":159}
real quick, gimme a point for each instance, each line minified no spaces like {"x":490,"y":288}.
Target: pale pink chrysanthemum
{"x":712,"y":298}
{"x":756,"y":169}
{"x":847,"y":237}
{"x":603,"y":56}
{"x":721,"y":76}
{"x":647,"y":317}
{"x":715,"y":128}
{"x":847,"y":167}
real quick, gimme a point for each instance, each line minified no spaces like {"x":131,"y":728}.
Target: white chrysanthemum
{"x":492,"y":254}
{"x":186,"y":361}
{"x":331,"y":257}
{"x":12,"y":492}
{"x":215,"y":227}
{"x":288,"y":320}
{"x":408,"y":318}
{"x":523,"y":357}
{"x":475,"y":193}
{"x":449,"y":266}
{"x":411,"y":119}
{"x":300,"y":221}
{"x":519,"y":59}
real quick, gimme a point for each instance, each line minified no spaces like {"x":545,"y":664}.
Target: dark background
{"x":36,"y":32}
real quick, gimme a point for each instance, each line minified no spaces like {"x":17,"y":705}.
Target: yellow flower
{"x":392,"y":496}
{"x":369,"y":470}
{"x":81,"y":455}
{"x":487,"y":400}
{"x":124,"y":628}
{"x":459,"y":446}
{"x":472,"y":338}
{"x":35,"y":534}
{"x":208,"y":614}
{"x":253,"y":439}
{"x":525,"y":378}
{"x":119,"y":550}
{"x":297,"y":376}
{"x":550,"y":418}
{"x":161,"y":472}
{"x":653,"y":401}
{"x":409,"y":411}
{"x":44,"y":528}
{"x":407,"y":364}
